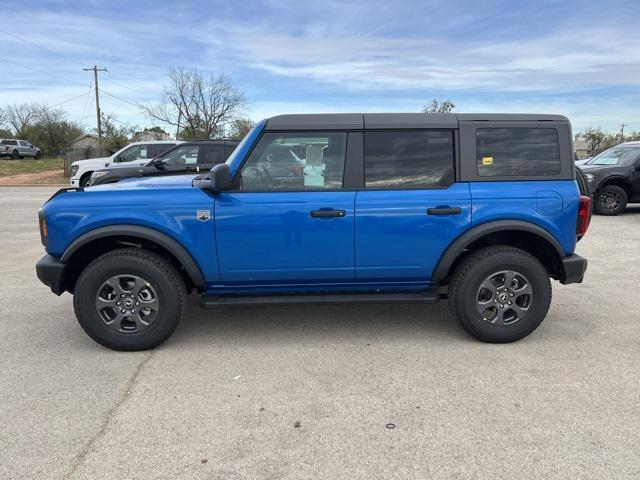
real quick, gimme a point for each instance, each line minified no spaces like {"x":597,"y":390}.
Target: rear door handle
{"x":444,"y":211}
{"x":327,"y":213}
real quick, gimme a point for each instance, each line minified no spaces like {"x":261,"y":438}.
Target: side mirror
{"x":219,"y":179}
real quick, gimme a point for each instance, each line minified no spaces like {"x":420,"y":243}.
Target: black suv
{"x":188,"y":157}
{"x":614,"y":178}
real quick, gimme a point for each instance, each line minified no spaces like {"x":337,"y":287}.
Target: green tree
{"x":594,"y":137}
{"x":50,"y":130}
{"x":240,"y":127}
{"x":115,"y":134}
{"x":446,"y":106}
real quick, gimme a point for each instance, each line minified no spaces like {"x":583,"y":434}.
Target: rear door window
{"x":9,"y":142}
{"x":408,"y":159}
{"x":517,"y":152}
{"x":159,"y":148}
{"x":211,"y":154}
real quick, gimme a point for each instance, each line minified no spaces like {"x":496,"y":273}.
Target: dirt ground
{"x":48,"y":177}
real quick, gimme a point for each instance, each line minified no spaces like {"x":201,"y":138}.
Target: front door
{"x":288,"y":220}
{"x":411,"y":208}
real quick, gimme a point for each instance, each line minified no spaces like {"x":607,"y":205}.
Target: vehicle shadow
{"x":310,"y":323}
{"x":633,"y":209}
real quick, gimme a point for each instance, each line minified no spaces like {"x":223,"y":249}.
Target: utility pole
{"x":95,"y":71}
{"x":622,"y":125}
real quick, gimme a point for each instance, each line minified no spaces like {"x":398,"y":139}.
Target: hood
{"x":88,"y":161}
{"x":172,"y":181}
{"x":597,"y":168}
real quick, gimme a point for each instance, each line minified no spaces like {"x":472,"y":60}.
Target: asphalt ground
{"x":311,"y":392}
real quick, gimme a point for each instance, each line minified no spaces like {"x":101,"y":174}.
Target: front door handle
{"x":327,"y":213}
{"x":444,"y":211}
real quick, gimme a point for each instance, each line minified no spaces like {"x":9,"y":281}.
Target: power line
{"x":66,"y":101}
{"x":44,"y":48}
{"x":120,"y":98}
{"x":48,"y":74}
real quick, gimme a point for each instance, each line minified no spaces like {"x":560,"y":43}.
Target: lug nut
{"x":137,"y":303}
{"x":117,"y":303}
{"x":133,"y":311}
{"x":123,"y":311}
{"x":509,"y":303}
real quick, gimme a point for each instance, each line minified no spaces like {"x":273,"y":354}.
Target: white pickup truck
{"x":138,"y":152}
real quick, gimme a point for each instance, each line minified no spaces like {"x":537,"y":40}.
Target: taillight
{"x":584,"y":216}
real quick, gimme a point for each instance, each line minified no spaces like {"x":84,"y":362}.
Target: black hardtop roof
{"x":219,"y":141}
{"x":359,"y":121}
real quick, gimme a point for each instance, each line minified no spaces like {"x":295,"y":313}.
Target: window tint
{"x":9,"y":142}
{"x":183,"y":155}
{"x":616,"y":156}
{"x":159,"y":148}
{"x":517,"y":152}
{"x":408,"y":159}
{"x":296,"y":161}
{"x":136,"y":152}
{"x":211,"y":154}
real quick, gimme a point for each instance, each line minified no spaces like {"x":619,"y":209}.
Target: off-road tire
{"x":160,"y":274}
{"x":470,"y":274}
{"x":602,"y":206}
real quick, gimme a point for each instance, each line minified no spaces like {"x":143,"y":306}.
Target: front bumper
{"x":573,"y":268}
{"x":50,"y":271}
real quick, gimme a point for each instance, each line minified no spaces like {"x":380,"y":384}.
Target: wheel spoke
{"x":526,"y":290}
{"x":520,"y":311}
{"x":116,"y":322}
{"x":499,"y":318}
{"x":114,"y":283}
{"x":508,"y":278}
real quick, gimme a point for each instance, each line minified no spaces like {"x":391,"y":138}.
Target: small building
{"x":88,"y":141}
{"x":150,"y":136}
{"x":582,"y":148}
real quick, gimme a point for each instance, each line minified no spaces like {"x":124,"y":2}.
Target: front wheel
{"x":38,"y":155}
{"x":611,"y":200}
{"x":129,"y":299}
{"x":500,"y":294}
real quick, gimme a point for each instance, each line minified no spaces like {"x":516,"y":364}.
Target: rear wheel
{"x":611,"y":200}
{"x":15,"y":155}
{"x":129,"y":299}
{"x":500,"y":294}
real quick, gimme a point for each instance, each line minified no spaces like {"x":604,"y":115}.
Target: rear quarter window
{"x":517,"y":152}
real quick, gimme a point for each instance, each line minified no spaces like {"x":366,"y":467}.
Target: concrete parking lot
{"x":308,"y":392}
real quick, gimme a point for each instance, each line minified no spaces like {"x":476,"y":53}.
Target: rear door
{"x":288,"y":228}
{"x":411,"y":208}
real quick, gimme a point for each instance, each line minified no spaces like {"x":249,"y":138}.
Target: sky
{"x":576,"y":58}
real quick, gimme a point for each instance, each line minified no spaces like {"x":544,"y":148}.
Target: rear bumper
{"x":573,"y":268}
{"x":50,"y":271}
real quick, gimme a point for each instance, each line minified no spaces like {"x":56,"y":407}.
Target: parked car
{"x":614,"y":178}
{"x":136,"y":153}
{"x":399,"y":213}
{"x":189,"y":157}
{"x":582,"y":162}
{"x":14,"y":148}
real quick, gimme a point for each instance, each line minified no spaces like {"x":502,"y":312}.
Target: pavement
{"x":312,"y":392}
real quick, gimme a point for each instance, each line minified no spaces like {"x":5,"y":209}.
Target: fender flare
{"x":464,"y":240}
{"x":162,"y":239}
{"x":613,"y":178}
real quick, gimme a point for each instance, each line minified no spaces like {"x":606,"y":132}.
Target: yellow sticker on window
{"x":487,"y":160}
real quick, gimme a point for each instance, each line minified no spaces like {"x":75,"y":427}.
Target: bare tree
{"x":446,"y":106}
{"x":21,"y":117}
{"x":198,"y":106}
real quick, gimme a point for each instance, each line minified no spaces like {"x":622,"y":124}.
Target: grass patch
{"x":28,"y":165}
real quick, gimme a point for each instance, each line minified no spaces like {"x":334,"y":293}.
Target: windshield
{"x":615,"y":156}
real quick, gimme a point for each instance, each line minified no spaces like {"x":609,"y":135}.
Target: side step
{"x":212,"y":301}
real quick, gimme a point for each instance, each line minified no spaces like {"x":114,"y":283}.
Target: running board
{"x":213,"y":301}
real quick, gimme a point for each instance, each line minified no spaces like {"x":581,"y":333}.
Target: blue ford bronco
{"x":481,"y":209}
